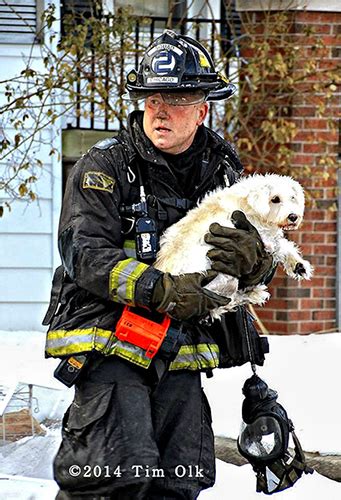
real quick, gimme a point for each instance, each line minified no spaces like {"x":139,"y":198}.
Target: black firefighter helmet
{"x":177,"y":63}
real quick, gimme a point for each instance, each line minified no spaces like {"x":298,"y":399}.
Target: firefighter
{"x":140,"y":428}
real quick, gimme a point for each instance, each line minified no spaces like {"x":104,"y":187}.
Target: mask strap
{"x":299,"y":460}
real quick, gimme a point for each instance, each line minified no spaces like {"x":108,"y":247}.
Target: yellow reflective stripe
{"x":123,"y":279}
{"x":129,"y":247}
{"x":189,"y":357}
{"x":130,"y":352}
{"x":69,"y":349}
{"x":198,"y":348}
{"x":63,"y":342}
{"x":61,"y":334}
{"x":196,"y":357}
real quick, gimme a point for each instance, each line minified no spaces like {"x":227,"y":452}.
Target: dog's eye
{"x":276,"y":199}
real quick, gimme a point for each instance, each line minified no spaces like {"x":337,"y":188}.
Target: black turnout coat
{"x":100,"y":272}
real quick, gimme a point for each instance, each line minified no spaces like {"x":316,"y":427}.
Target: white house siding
{"x":28,"y":252}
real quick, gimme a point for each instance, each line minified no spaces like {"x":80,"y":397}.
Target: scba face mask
{"x":265,"y":428}
{"x":264,"y":439}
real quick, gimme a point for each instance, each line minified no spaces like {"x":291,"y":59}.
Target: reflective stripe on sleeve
{"x":123,"y":279}
{"x":129,"y":248}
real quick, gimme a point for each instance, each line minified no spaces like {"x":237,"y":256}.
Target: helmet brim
{"x":215,"y":92}
{"x":176,"y":97}
{"x":223,"y":93}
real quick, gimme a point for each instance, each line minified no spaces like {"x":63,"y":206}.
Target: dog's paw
{"x":257,"y":295}
{"x":303,"y":270}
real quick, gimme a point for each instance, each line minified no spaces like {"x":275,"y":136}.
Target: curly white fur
{"x":271,"y":202}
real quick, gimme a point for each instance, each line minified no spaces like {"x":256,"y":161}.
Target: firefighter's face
{"x":172,"y":128}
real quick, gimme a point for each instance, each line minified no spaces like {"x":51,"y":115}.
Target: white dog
{"x":272,"y":203}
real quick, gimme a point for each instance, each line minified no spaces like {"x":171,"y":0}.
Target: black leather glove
{"x":183,"y":297}
{"x":239,"y":252}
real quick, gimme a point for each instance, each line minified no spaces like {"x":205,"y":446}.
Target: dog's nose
{"x":292,"y":217}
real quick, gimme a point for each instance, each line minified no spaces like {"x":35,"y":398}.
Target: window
{"x":81,"y":7}
{"x":155,"y":8}
{"x":20,"y":21}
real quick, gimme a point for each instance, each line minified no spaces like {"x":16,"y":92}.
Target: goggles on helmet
{"x":170,"y":98}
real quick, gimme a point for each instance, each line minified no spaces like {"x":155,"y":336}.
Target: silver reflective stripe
{"x":196,"y":357}
{"x":123,"y":283}
{"x":75,"y":339}
{"x":123,"y":279}
{"x":130,"y":248}
{"x":130,"y":352}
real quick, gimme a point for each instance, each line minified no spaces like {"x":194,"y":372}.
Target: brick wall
{"x":308,"y":307}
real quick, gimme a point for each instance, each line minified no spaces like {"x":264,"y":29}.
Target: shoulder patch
{"x":106,"y":143}
{"x":98,"y":180}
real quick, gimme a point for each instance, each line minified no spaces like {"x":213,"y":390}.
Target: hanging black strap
{"x":57,"y":286}
{"x":248,"y":338}
{"x":299,"y":460}
{"x":230,"y":175}
{"x":204,"y":163}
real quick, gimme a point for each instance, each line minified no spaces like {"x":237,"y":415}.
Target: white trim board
{"x":308,"y":5}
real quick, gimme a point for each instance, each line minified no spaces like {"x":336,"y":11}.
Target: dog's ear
{"x":299,"y":192}
{"x":258,"y":199}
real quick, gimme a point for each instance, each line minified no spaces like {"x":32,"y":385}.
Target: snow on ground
{"x":22,"y":358}
{"x":304,"y":370}
{"x":24,"y":488}
{"x":30,"y":456}
{"x":233,"y":483}
{"x":239,"y":483}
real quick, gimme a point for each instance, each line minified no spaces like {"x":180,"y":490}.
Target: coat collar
{"x":146,"y":150}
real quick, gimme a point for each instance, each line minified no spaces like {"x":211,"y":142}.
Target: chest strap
{"x":178,"y":203}
{"x":182,"y":203}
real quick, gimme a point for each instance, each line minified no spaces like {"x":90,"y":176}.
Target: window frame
{"x":11,"y":27}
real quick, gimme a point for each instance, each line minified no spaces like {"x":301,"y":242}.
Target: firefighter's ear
{"x":202,"y":113}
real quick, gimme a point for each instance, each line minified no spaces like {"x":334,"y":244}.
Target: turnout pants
{"x":131,"y":434}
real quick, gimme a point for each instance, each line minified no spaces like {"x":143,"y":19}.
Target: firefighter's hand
{"x":239,"y":252}
{"x":183,"y":297}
